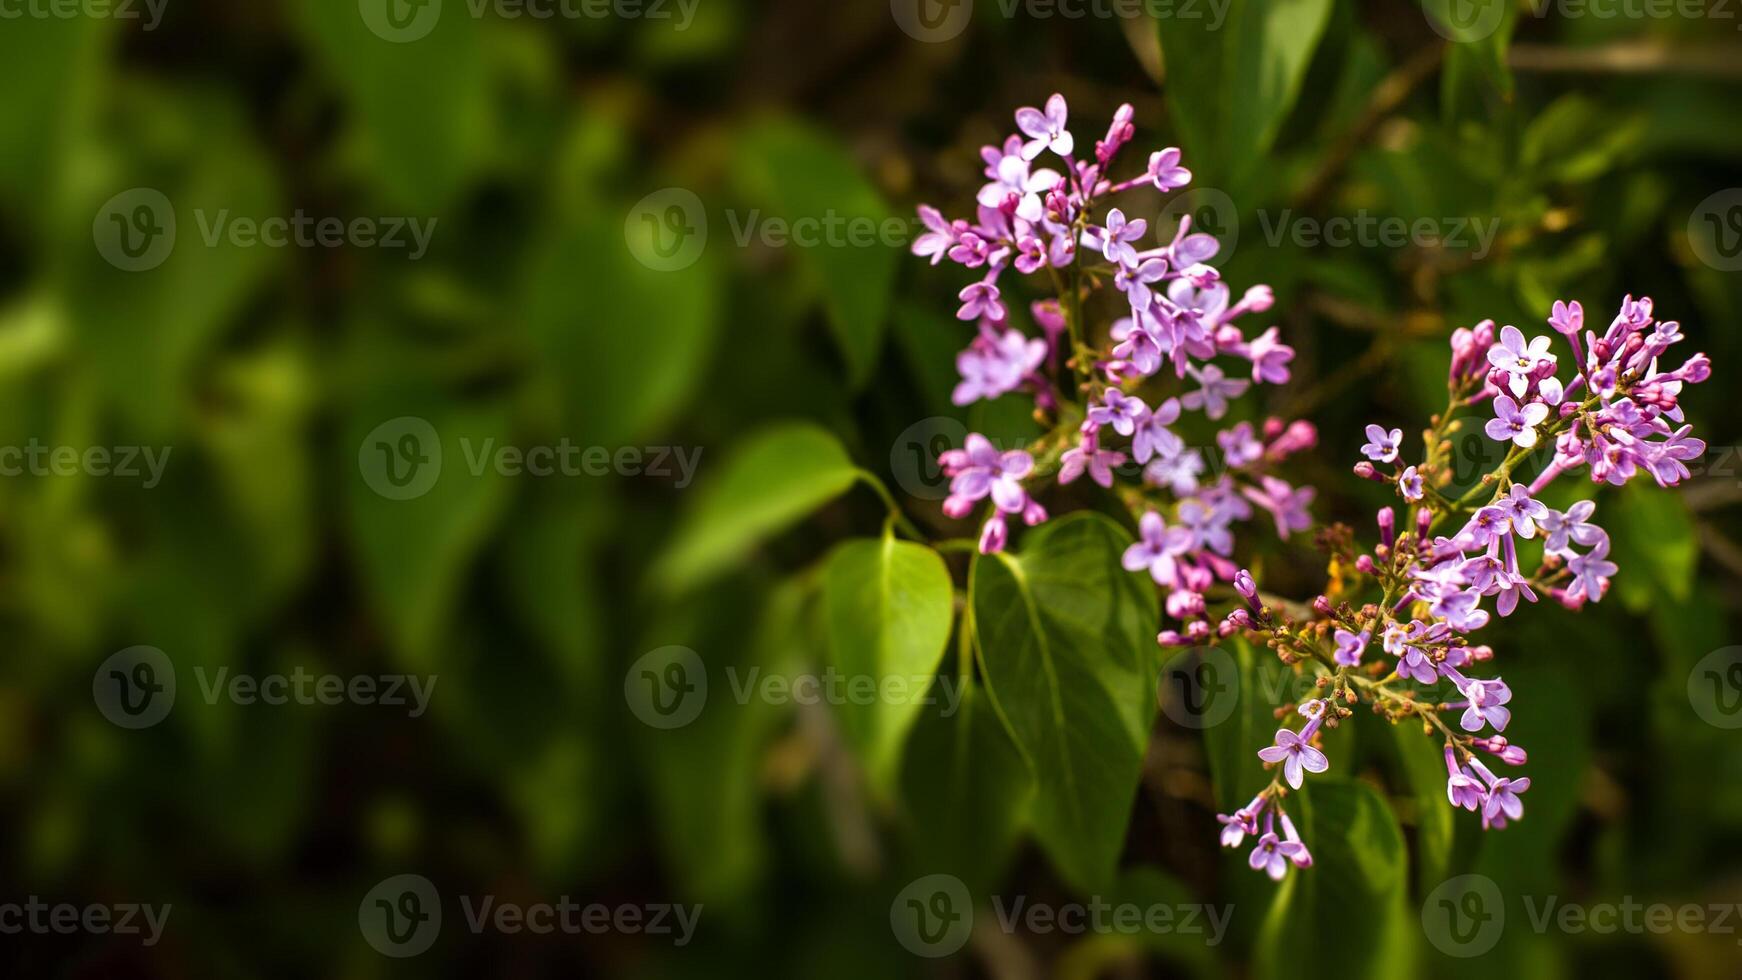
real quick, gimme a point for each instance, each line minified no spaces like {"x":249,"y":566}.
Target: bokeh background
{"x":1596,"y":143}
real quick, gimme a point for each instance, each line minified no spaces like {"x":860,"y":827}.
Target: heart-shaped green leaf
{"x":775,"y":479}
{"x":887,"y":606}
{"x":1066,"y":638}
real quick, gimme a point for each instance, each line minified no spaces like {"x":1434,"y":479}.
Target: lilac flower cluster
{"x":1106,"y":398}
{"x":1619,"y":416}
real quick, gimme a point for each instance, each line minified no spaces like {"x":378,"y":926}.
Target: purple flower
{"x":993,"y":367}
{"x":1462,"y":788}
{"x":1116,"y":239}
{"x":1272,"y":856}
{"x":1410,"y":485}
{"x":1239,"y":446}
{"x":1045,"y":130}
{"x":1178,"y":472}
{"x":994,"y":534}
{"x":1014,"y":183}
{"x":1152,"y":436}
{"x":1518,"y":359}
{"x":1208,"y":528}
{"x":1503,"y":798}
{"x":1270,"y":357}
{"x":1461,"y":610}
{"x":1216,"y":389}
{"x":1292,"y":847}
{"x":1350,"y":646}
{"x":1139,"y":341}
{"x":1486,"y":698}
{"x":1119,"y":410}
{"x":1133,"y":280}
{"x":1515,"y":425}
{"x":938,"y":238}
{"x":1156,"y":548}
{"x":1521,"y":511}
{"x":1591,"y":572}
{"x":1572,"y":526}
{"x":1091,"y":457}
{"x":1295,"y":755}
{"x":979,"y":300}
{"x":1567,"y":319}
{"x":986,"y":471}
{"x":1286,"y":504}
{"x":1237,"y":825}
{"x":1381,"y":446}
{"x":1165,"y":172}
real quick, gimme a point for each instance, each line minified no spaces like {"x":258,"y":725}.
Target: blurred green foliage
{"x":799,"y":373}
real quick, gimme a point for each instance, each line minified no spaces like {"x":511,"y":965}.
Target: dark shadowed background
{"x":610,"y":245}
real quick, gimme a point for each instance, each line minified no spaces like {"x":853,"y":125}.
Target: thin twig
{"x":1630,"y":58}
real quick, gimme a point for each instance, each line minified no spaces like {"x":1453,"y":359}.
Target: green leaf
{"x":413,"y":553}
{"x":1230,"y":85}
{"x":1422,"y":761}
{"x":1346,"y":916}
{"x":887,"y":605}
{"x":595,"y":316}
{"x":801,"y":175}
{"x":1150,"y":888}
{"x":51,"y":70}
{"x":1066,"y":639}
{"x":1240,"y":688}
{"x":1655,"y":545}
{"x":705,"y":775}
{"x":965,"y":787}
{"x":1476,"y":76}
{"x":774,"y":480}
{"x":420,"y":105}
{"x":189,"y":158}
